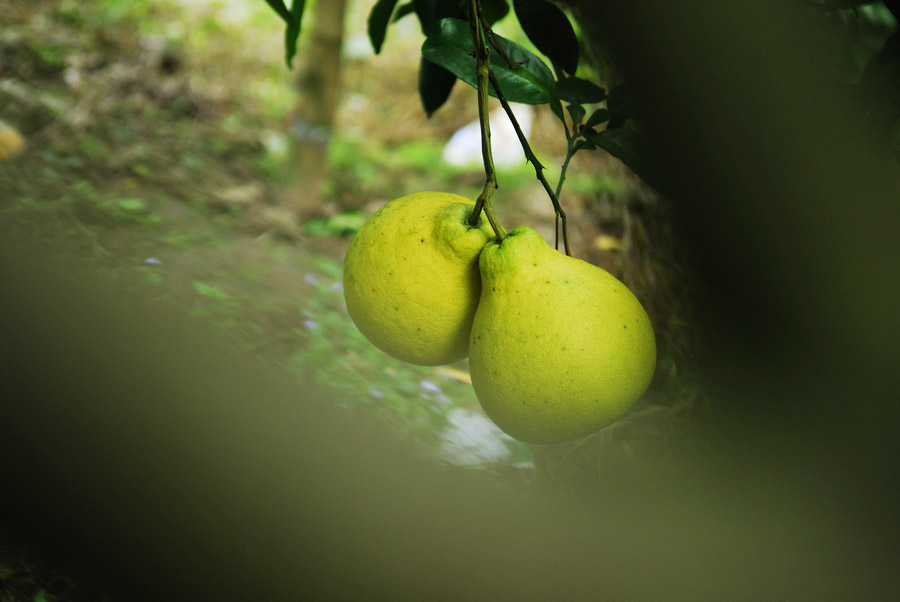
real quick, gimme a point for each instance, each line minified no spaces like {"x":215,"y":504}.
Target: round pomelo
{"x":411,"y":279}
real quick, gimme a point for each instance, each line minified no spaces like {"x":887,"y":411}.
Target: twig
{"x":495,"y":45}
{"x":538,"y":167}
{"x":482,"y":70}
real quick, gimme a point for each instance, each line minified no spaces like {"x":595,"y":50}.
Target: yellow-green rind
{"x":411,"y":280}
{"x":559,"y":347}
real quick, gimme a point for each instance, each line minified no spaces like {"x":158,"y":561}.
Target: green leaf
{"x":557,"y":109}
{"x":406,"y":9}
{"x":379,"y":17}
{"x":633,"y":149}
{"x":549,"y":30}
{"x":292,"y":32}
{"x":596,"y":118}
{"x":494,"y":10}
{"x":528,"y":81}
{"x":579,"y":91}
{"x":577,"y":112}
{"x":435,"y":85}
{"x":430,"y":12}
{"x":280,"y":9}
{"x":297,"y":7}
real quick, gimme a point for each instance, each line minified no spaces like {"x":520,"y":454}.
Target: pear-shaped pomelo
{"x":411,"y":278}
{"x":559,"y":347}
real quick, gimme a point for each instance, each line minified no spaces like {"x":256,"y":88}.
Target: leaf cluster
{"x":448,"y":54}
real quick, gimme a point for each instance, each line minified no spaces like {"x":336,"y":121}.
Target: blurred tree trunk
{"x":319,"y":86}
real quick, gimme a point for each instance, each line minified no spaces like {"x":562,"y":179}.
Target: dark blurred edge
{"x":136,"y":445}
{"x":790,"y":198}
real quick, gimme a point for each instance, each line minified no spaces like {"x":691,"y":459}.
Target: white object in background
{"x":471,"y":439}
{"x":464,"y":147}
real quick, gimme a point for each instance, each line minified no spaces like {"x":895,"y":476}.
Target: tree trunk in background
{"x":319,"y":86}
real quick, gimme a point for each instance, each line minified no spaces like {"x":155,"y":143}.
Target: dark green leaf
{"x":406,"y":9}
{"x":379,"y":17}
{"x":297,"y":7}
{"x":280,"y":9}
{"x":494,"y":10}
{"x":292,"y":32}
{"x":583,"y":144}
{"x":435,"y":85}
{"x":596,"y":118}
{"x":549,"y":30}
{"x":577,"y":112}
{"x":633,"y":149}
{"x":579,"y":91}
{"x":528,"y":81}
{"x":430,"y":12}
{"x":557,"y":109}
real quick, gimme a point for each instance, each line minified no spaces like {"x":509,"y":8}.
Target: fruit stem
{"x":482,"y":71}
{"x":530,"y":156}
